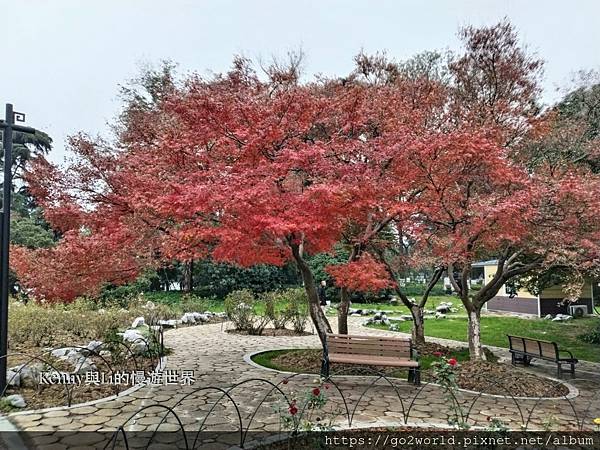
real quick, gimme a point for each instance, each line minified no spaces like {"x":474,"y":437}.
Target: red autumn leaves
{"x":247,"y":170}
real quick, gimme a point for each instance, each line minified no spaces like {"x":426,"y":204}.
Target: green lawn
{"x":494,"y":330}
{"x":400,"y":309}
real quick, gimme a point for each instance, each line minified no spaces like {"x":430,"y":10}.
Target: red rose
{"x":326,"y":386}
{"x":293,"y":409}
{"x":316,"y":392}
{"x":452,"y":361}
{"x":437,"y":354}
{"x":285,"y":381}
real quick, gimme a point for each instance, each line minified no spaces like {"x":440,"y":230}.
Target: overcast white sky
{"x":70,"y":56}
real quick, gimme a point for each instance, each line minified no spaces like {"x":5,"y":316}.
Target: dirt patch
{"x":488,"y":377}
{"x":272,"y":332}
{"x":45,"y":395}
{"x":504,"y":379}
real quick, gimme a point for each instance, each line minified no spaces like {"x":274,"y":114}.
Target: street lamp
{"x":8,"y":126}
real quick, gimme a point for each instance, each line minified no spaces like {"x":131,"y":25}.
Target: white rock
{"x":13,"y":378}
{"x":149,"y":305}
{"x":93,"y":346}
{"x":132,"y":335}
{"x":562,"y":318}
{"x":16,"y":400}
{"x":548,"y":317}
{"x":168,"y":323}
{"x":444,"y":308}
{"x":62,"y":352}
{"x":440,"y":316}
{"x":136,"y":342}
{"x":188,"y":318}
{"x":138,"y":322}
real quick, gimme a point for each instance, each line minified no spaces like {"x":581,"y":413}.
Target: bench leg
{"x":411,"y":375}
{"x":559,"y":370}
{"x":417,"y":376}
{"x":572,"y":370}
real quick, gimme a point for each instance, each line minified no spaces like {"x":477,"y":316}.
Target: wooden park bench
{"x":523,"y":350}
{"x":371,"y":351}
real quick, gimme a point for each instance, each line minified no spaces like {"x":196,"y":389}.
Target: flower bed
{"x":489,"y":377}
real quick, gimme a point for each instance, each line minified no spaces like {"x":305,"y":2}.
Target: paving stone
{"x":83,"y":410}
{"x":56,"y":421}
{"x":83,"y":439}
{"x":94,"y":420}
{"x":57,"y":413}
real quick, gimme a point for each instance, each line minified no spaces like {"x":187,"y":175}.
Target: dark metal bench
{"x":371,"y":351}
{"x":523,"y":350}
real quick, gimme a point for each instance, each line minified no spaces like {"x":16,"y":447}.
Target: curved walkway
{"x":217,"y":359}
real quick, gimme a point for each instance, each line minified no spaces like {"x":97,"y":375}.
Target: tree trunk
{"x":344,"y":305}
{"x":475,"y":348}
{"x":314,"y":308}
{"x":418,"y":329}
{"x":188,"y":276}
{"x":343,"y":308}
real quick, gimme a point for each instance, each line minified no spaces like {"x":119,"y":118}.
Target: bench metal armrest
{"x":566,"y":351}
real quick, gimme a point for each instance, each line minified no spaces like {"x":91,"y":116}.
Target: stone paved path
{"x":217,"y":357}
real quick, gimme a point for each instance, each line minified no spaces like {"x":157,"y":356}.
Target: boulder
{"x":172,"y":323}
{"x":138,"y":322}
{"x":94,"y":346}
{"x":13,"y":378}
{"x":548,"y":317}
{"x":132,"y":335}
{"x":16,"y":400}
{"x":188,"y":318}
{"x":562,"y":318}
{"x":26,"y":374}
{"x":440,"y":316}
{"x":135,"y":341}
{"x":61,"y":353}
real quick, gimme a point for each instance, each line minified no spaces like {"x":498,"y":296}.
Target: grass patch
{"x":433,"y":302}
{"x":494,"y":330}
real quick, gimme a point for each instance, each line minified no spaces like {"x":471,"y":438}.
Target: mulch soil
{"x":489,"y":377}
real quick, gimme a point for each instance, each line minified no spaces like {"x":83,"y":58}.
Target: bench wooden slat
{"x":369,"y":360}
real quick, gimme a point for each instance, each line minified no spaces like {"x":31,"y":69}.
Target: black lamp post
{"x":8,"y":126}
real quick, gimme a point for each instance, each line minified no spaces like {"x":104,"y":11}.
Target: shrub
{"x":27,"y":324}
{"x":278,"y":317}
{"x":592,"y":336}
{"x":296,"y":307}
{"x":241,"y":307}
{"x":193,"y":303}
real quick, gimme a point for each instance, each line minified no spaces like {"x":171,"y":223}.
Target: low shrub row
{"x":251,"y":313}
